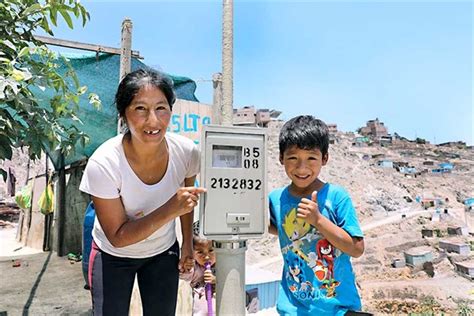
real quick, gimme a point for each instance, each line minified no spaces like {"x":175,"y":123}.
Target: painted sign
{"x":188,"y":118}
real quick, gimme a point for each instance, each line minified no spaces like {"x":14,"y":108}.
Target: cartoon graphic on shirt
{"x":295,"y":265}
{"x":326,"y":255}
{"x":299,"y":255}
{"x":320,"y":270}
{"x":295,"y":228}
{"x":330,"y":287}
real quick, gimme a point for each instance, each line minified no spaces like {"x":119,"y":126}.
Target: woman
{"x":140,"y":182}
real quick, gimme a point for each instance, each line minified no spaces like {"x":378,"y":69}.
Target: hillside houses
{"x":374,"y":129}
{"x":250,"y":116}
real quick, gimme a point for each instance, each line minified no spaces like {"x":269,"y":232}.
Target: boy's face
{"x":204,"y":252}
{"x":303,"y":165}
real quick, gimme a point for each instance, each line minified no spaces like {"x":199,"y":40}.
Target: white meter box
{"x":233,"y":170}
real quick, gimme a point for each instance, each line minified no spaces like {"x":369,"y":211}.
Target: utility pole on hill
{"x":125,"y":58}
{"x":230,"y":255}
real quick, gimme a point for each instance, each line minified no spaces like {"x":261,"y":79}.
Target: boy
{"x":317,"y":227}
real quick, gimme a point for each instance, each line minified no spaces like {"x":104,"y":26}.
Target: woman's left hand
{"x":186,"y":258}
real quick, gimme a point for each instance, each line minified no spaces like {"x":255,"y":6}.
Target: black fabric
{"x":113,"y":277}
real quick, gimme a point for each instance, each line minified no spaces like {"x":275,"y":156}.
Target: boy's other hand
{"x":309,"y":209}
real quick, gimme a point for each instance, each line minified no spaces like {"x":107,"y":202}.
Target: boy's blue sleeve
{"x":346,"y":215}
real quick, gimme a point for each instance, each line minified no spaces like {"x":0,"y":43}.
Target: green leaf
{"x":9,"y":44}
{"x":85,"y":16}
{"x":17,"y":75}
{"x":82,"y":90}
{"x":32,"y":9}
{"x":76,"y":10}
{"x":67,"y":18}
{"x":95,"y":101}
{"x":45,"y":26}
{"x":53,"y":15}
{"x":25,"y":50}
{"x":5,"y":148}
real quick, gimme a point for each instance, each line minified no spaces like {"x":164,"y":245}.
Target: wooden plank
{"x":83,"y":46}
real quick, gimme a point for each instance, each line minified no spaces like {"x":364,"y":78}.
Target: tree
{"x":27,"y":64}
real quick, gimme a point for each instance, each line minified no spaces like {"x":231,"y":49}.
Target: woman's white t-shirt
{"x":108,"y":175}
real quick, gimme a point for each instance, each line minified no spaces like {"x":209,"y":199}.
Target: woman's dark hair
{"x":304,"y":132}
{"x":135,"y":80}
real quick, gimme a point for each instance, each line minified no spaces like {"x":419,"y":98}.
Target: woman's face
{"x":148,"y":115}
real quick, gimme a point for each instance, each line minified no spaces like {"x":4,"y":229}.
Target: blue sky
{"x":407,"y":63}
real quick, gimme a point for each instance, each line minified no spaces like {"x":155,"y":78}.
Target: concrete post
{"x":126,"y":48}
{"x":230,"y":255}
{"x":227,"y":62}
{"x":230,"y":276}
{"x":217,"y":99}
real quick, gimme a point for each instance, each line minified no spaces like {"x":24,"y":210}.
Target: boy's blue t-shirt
{"x":317,"y":278}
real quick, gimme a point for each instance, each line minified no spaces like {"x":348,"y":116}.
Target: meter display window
{"x":226,"y":156}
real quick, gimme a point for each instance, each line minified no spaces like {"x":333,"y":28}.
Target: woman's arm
{"x":187,"y":231}
{"x":121,"y":231}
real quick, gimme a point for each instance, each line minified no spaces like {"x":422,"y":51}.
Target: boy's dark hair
{"x":135,"y":80}
{"x":304,"y":132}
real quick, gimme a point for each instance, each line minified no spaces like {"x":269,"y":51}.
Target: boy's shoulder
{"x":337,"y":191}
{"x":275,"y":193}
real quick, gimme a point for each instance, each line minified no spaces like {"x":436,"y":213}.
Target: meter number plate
{"x":236,"y":184}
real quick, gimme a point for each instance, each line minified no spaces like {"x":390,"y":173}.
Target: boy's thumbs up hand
{"x":309,"y":209}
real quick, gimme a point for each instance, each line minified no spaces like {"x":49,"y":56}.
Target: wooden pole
{"x":125,"y":58}
{"x":47,"y":217}
{"x":61,"y":206}
{"x":84,"y":46}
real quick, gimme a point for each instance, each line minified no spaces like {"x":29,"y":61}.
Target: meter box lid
{"x":233,"y":170}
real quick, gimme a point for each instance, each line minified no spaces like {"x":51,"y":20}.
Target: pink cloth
{"x":196,"y":279}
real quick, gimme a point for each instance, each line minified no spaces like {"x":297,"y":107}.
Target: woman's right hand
{"x":186,"y":199}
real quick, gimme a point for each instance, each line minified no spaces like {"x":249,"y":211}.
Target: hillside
{"x":392,"y":221}
{"x":391,"y":218}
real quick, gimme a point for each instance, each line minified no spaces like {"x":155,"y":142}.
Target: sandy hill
{"x":392,"y":220}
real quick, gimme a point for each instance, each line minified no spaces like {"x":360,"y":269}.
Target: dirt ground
{"x":43,"y":284}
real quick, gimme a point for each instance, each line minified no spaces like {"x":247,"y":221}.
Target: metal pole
{"x":217,"y":99}
{"x":227,"y":62}
{"x":125,"y":58}
{"x":230,"y":255}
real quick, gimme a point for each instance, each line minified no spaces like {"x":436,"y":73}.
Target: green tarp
{"x":100,"y":74}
